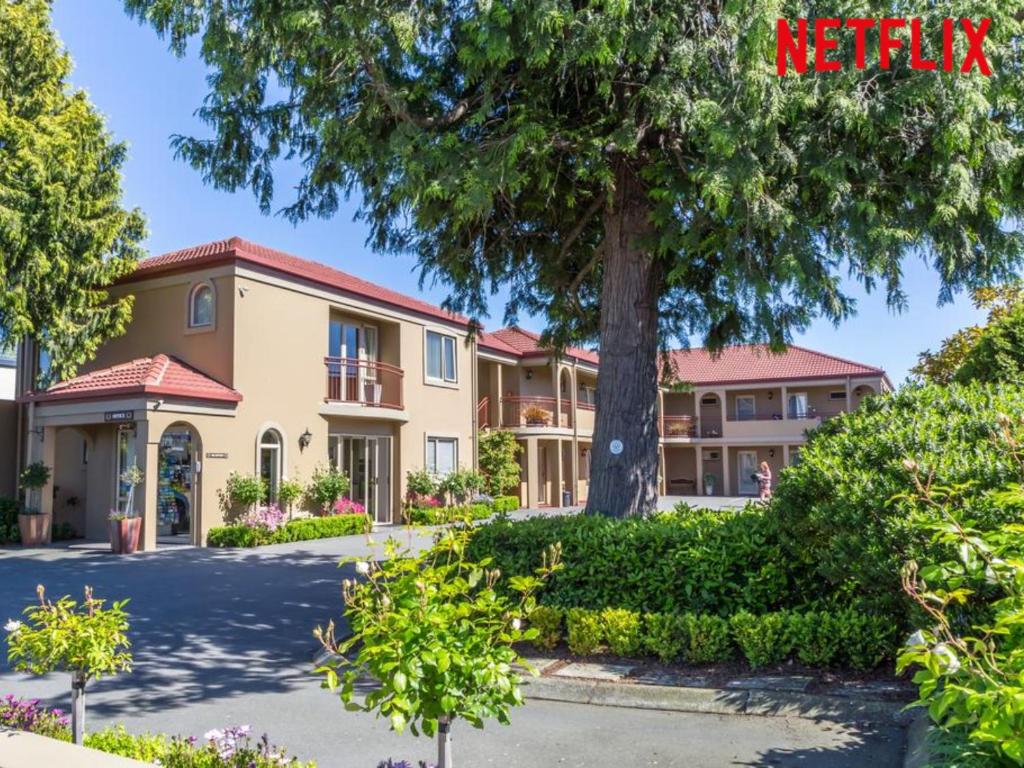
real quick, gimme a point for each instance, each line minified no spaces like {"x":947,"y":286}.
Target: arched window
{"x":200,"y":306}
{"x":270,"y":461}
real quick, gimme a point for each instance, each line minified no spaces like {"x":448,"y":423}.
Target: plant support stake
{"x":77,"y":707}
{"x":444,"y":742}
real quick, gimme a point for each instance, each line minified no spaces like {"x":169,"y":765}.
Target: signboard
{"x":216,"y":455}
{"x":119,"y":416}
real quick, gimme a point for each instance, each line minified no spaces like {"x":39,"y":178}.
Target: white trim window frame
{"x":798,"y":405}
{"x":437,"y":464}
{"x":440,"y":358}
{"x":752,"y":399}
{"x":193,"y":321}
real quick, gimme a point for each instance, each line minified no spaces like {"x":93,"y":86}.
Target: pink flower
{"x":345,"y":506}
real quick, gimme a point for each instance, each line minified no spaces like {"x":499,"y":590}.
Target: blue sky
{"x":148,"y":95}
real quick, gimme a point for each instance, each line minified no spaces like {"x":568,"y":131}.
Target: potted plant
{"x":32,"y":523}
{"x":709,"y":484}
{"x":535,"y":416}
{"x":125,"y":526}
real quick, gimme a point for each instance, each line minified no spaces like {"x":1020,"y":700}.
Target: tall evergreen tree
{"x":64,"y":236}
{"x":635,"y":170}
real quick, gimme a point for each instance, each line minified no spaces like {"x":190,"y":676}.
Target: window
{"x":588,"y":395}
{"x":200,"y":306}
{"x":709,"y":400}
{"x":746,"y":409}
{"x":798,"y":405}
{"x":442,"y":455}
{"x":441,"y":357}
{"x":837,"y":395}
{"x":270,"y":462}
{"x":585,"y":456}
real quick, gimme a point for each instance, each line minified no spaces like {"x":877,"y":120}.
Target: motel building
{"x":240,"y":358}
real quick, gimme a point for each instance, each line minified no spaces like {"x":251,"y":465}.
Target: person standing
{"x":764,"y":481}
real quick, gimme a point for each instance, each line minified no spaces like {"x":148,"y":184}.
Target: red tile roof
{"x":751,"y":363}
{"x":158,"y":376}
{"x":237,"y":249}
{"x":492,"y":342}
{"x":525,"y":343}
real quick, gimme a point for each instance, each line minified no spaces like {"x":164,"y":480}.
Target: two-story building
{"x":240,"y":358}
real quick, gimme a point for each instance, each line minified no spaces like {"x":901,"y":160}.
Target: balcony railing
{"x":678,"y":426}
{"x":363,"y":382}
{"x":482,"y":410}
{"x":768,"y":415}
{"x":810,"y":412}
{"x":519,"y":411}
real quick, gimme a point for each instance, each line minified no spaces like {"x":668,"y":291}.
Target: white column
{"x":785,"y":403}
{"x":785,"y":455}
{"x":725,"y":471}
{"x":699,"y":464}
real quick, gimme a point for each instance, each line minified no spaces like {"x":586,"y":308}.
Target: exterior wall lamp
{"x":305,"y":439}
{"x":529,"y":373}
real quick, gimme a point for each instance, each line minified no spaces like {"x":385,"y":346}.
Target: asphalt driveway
{"x":225,"y":637}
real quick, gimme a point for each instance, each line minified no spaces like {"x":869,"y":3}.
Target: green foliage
{"x":583,"y":630}
{"x":444,"y":515}
{"x":242,"y":492}
{"x":231,"y":748}
{"x":64,"y":236}
{"x":147,"y":748}
{"x":664,"y":635}
{"x":461,"y":484}
{"x":548,"y":623}
{"x":289,"y":492}
{"x":817,"y":637}
{"x":305,"y":529}
{"x":998,"y":354}
{"x":34,"y":476}
{"x":435,"y":636}
{"x":621,"y":629}
{"x":420,"y":483}
{"x":867,"y":639}
{"x":763,"y":640}
{"x":505,"y":504}
{"x":326,"y":487}
{"x":846,"y":523}
{"x":9,"y":509}
{"x":86,"y":640}
{"x":499,"y":462}
{"x":701,"y":561}
{"x":708,"y":639}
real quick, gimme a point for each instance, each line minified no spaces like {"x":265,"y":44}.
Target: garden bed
{"x":305,"y":529}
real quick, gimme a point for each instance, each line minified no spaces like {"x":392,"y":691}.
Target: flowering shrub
{"x":27,"y":715}
{"x":345,"y":506}
{"x":268,"y":518}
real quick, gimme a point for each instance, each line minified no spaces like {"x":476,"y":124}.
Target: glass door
{"x":176,"y":483}
{"x":747,"y":464}
{"x":798,"y":405}
{"x":126,"y":459}
{"x":367,"y":463}
{"x":355,"y":344}
{"x":746,"y":408}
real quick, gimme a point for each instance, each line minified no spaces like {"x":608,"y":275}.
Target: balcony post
{"x":725,"y":470}
{"x":785,"y":454}
{"x":699,"y":464}
{"x":785,"y":403}
{"x":574,"y":460}
{"x":849,"y":394}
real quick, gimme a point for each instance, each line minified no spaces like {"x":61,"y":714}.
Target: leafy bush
{"x":420,"y":484}
{"x":763,"y":640}
{"x":499,"y":462}
{"x":27,"y":715}
{"x":843,"y":514}
{"x":708,"y":639}
{"x":289,"y":492}
{"x":502,"y":504}
{"x":700,"y":561}
{"x":548,"y":623}
{"x":664,"y":635}
{"x":461,"y":484}
{"x":147,"y":748}
{"x":816,"y":636}
{"x":866,"y":639}
{"x":326,"y":487}
{"x":583,"y":628}
{"x":444,"y":515}
{"x":621,"y":630}
{"x":9,"y":512}
{"x":244,"y":491}
{"x":295,"y":530}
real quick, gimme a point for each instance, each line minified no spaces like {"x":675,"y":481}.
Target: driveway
{"x":224,"y":637}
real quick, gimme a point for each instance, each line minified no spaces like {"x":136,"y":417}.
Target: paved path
{"x":223,"y":637}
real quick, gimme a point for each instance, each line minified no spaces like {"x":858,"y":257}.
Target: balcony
{"x":354,"y":385}
{"x":678,"y":426}
{"x":534,"y":412}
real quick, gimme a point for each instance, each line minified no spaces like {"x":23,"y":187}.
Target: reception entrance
{"x":176,"y":487}
{"x":367,"y":462}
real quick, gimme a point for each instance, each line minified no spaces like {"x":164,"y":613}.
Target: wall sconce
{"x":529,"y":373}
{"x":770,"y":395}
{"x":771,"y":452}
{"x":305,"y":439}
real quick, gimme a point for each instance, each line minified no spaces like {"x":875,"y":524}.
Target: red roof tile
{"x":492,"y":342}
{"x":527,"y":343}
{"x":160,"y":375}
{"x":238,"y":249}
{"x":751,"y":363}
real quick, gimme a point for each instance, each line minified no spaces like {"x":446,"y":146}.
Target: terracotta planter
{"x":124,"y":535}
{"x":35,"y":529}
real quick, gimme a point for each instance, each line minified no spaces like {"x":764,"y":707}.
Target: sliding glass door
{"x":367,"y":462}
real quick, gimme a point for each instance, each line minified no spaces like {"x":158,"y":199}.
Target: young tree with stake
{"x":634,"y":170}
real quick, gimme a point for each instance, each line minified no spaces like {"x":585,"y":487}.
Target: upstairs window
{"x":201,"y":306}
{"x":441,"y":357}
{"x":442,"y":455}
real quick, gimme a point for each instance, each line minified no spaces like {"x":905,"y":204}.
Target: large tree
{"x":64,"y":235}
{"x":635,"y":170}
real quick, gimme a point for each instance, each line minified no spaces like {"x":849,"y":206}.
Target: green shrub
{"x":325,"y":488}
{"x":816,"y":637}
{"x":843,"y":514}
{"x":461,"y":485}
{"x":305,"y":529}
{"x":866,"y":639}
{"x":245,"y":491}
{"x":9,"y":509}
{"x":621,"y":630}
{"x":147,"y":748}
{"x":764,"y":639}
{"x":443,"y":515}
{"x":583,"y":628}
{"x":708,"y":639}
{"x":420,"y":483}
{"x":548,"y":623}
{"x":699,"y":561}
{"x":664,"y":635}
{"x":499,"y":461}
{"x":502,"y":504}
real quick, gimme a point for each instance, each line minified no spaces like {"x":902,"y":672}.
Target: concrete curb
{"x":717,"y":701}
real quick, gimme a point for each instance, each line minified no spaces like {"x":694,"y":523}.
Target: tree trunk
{"x":624,"y":459}
{"x":444,"y":742}
{"x":77,"y":707}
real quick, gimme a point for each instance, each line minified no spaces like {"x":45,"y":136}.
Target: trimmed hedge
{"x":305,"y":529}
{"x":505,"y":504}
{"x":443,"y":515}
{"x":817,"y":638}
{"x":703,"y":561}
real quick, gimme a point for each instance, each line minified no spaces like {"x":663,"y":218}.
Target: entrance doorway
{"x":367,"y":462}
{"x":746,"y":462}
{"x":176,"y":486}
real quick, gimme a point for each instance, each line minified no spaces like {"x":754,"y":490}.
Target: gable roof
{"x":754,"y":362}
{"x":524,"y":343}
{"x":159,"y":375}
{"x":237,"y":249}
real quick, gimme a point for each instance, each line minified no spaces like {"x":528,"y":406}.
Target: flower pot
{"x":124,"y":535}
{"x":35,"y":529}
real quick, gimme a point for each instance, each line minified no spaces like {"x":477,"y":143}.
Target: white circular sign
{"x":615,"y":446}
